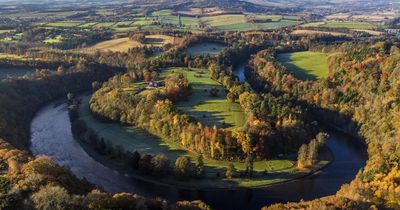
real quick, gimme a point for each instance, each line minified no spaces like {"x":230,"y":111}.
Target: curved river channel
{"x":51,"y":135}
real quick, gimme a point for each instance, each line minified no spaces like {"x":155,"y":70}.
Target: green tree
{"x":160,"y":164}
{"x":231,"y":171}
{"x":249,"y":165}
{"x":302,"y":156}
{"x":200,"y":166}
{"x":183,"y":166}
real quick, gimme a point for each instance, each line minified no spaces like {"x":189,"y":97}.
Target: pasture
{"x":136,"y":139}
{"x":306,"y":65}
{"x":206,"y":48}
{"x":240,"y":22}
{"x":205,"y":108}
{"x":14,"y":71}
{"x":312,"y":32}
{"x":342,"y":24}
{"x":114,"y":45}
{"x":124,"y":44}
{"x":64,"y":24}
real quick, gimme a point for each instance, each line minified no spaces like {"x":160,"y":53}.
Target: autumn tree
{"x":160,"y":164}
{"x":249,"y":165}
{"x":52,"y":198}
{"x":302,"y":156}
{"x":231,"y":171}
{"x":144,"y":164}
{"x":177,"y":87}
{"x":183,"y":166}
{"x":200,"y":166}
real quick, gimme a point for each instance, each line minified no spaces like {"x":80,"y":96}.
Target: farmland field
{"x":5,"y":31}
{"x":64,"y":24}
{"x":114,"y":45}
{"x":52,"y":40}
{"x":306,"y":65}
{"x":342,"y":24}
{"x":309,"y":32}
{"x":124,"y":44}
{"x":205,"y":108}
{"x":206,"y":48}
{"x":244,"y":22}
{"x":14,"y":71}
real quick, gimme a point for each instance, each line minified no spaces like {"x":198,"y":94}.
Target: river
{"x":51,"y":135}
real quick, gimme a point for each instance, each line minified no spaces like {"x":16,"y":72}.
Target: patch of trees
{"x":369,"y":111}
{"x":177,"y":87}
{"x":38,"y":182}
{"x":308,"y":153}
{"x":37,"y":90}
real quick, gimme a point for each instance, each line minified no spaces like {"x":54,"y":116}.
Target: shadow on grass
{"x":300,"y":73}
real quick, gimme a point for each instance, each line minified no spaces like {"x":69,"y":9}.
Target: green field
{"x":14,"y":72}
{"x":53,"y":40}
{"x":204,"y":108}
{"x":342,"y":24}
{"x":5,"y":31}
{"x":64,"y":24}
{"x":206,"y":48}
{"x":88,"y":24}
{"x":136,"y":139}
{"x":306,"y":65}
{"x":244,"y":22}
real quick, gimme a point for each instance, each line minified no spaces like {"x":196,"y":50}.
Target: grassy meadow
{"x":14,"y":71}
{"x":206,"y":48}
{"x":205,"y":108}
{"x":240,"y":22}
{"x":136,"y":139}
{"x":306,"y":65}
{"x":342,"y":24}
{"x":124,"y":44}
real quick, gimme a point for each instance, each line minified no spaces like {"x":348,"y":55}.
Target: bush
{"x":160,"y":164}
{"x":145,"y":164}
{"x":183,"y":166}
{"x":52,"y":198}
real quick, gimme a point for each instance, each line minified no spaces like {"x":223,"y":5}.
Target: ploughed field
{"x":306,"y":65}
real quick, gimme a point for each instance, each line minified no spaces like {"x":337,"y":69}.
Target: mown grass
{"x":88,"y":24}
{"x":14,"y":72}
{"x":306,"y":65}
{"x":53,"y":40}
{"x":5,"y":31}
{"x":205,"y":108}
{"x":342,"y":24}
{"x":124,"y":44}
{"x":136,"y":139}
{"x":245,"y":23}
{"x":114,"y":45}
{"x":206,"y":48}
{"x":64,"y":24}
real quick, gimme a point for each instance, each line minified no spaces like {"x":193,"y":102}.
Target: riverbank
{"x":278,"y":170}
{"x":54,"y":138}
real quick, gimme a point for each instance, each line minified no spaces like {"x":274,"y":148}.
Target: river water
{"x":51,"y":135}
